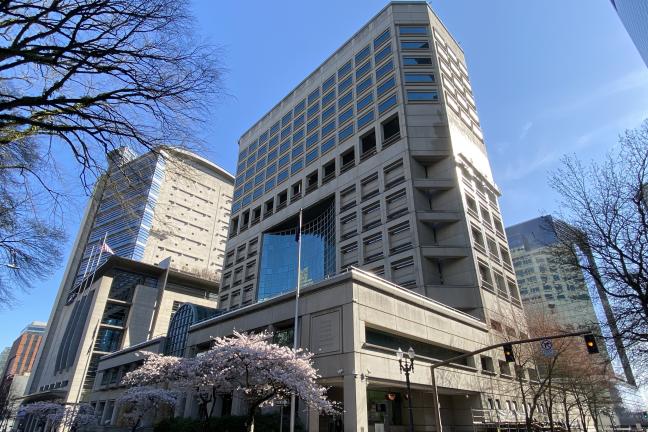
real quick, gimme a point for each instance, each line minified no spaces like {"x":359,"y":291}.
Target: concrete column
{"x":355,"y":404}
{"x":313,"y":420}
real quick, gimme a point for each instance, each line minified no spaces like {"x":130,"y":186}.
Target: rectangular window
{"x":272,"y":155}
{"x":313,"y":110}
{"x":312,"y":97}
{"x":298,"y":135}
{"x":344,"y":100}
{"x":422,"y":96}
{"x":257,"y":193}
{"x":312,"y":125}
{"x":286,"y":118}
{"x":345,"y":115}
{"x":328,"y":128}
{"x":312,"y":140}
{"x":253,"y":146}
{"x":365,"y":119}
{"x":273,"y":141}
{"x":264,"y":137}
{"x":346,"y":132}
{"x":285,"y":132}
{"x":296,"y":166}
{"x":328,"y":144}
{"x":284,"y":146}
{"x":384,"y":37}
{"x":365,"y":102}
{"x":311,"y":156}
{"x":383,"y":53}
{"x":283,"y":160}
{"x":274,"y":129}
{"x":417,"y":61}
{"x":384,"y":69}
{"x":327,"y":113}
{"x":345,"y":84}
{"x":364,"y":85}
{"x":362,"y":70}
{"x":259,"y":178}
{"x":344,"y":70}
{"x":283,"y":175}
{"x":412,"y":30}
{"x":271,"y":170}
{"x":386,"y":86}
{"x":415,"y":45}
{"x":296,"y":151}
{"x":363,"y":54}
{"x":329,"y":83}
{"x":260,"y":164}
{"x":298,"y":121}
{"x":300,"y":107}
{"x":414,"y":78}
{"x":328,"y":98}
{"x":387,"y":104}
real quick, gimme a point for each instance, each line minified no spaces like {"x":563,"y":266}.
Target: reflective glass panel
{"x":278,"y":267}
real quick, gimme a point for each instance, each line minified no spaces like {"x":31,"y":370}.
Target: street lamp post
{"x":406,"y":364}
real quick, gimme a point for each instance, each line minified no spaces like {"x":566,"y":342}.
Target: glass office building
{"x":634,"y":15}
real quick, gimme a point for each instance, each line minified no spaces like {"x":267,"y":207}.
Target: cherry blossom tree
{"x":247,"y":365}
{"x":56,"y":414}
{"x":157,"y":369}
{"x":263,"y":373}
{"x":137,"y":402}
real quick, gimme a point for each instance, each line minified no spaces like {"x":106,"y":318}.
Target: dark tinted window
{"x":413,"y":30}
{"x":415,"y":45}
{"x":417,"y":61}
{"x":382,"y":38}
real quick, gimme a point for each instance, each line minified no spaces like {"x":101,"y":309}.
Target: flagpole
{"x":101,"y":249}
{"x":295,"y":328}
{"x":85,"y":272}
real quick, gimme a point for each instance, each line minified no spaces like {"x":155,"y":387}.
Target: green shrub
{"x":262,"y":423}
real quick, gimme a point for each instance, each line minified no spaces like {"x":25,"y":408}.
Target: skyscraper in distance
{"x":13,"y":380}
{"x":634,"y":15}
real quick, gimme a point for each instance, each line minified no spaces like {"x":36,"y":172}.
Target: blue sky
{"x":550,"y":77}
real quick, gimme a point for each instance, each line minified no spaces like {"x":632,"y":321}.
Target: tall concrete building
{"x":18,"y":368}
{"x":634,"y":15}
{"x":402,"y":242}
{"x":382,"y":148}
{"x":167,"y":209}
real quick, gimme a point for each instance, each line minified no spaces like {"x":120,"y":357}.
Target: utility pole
{"x":435,"y":393}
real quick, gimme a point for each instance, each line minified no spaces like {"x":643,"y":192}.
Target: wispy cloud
{"x":525,"y":130}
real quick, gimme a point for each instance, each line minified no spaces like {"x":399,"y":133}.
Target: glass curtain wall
{"x":278,"y":270}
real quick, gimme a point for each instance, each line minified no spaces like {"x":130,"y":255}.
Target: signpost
{"x":547,"y":348}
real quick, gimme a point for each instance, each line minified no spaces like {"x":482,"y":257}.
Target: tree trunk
{"x":249,"y":419}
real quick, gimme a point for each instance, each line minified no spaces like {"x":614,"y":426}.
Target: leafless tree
{"x":605,"y":210}
{"x":78,"y":79}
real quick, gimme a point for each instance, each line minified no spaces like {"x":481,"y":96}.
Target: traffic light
{"x":590,"y":343}
{"x":508,"y":353}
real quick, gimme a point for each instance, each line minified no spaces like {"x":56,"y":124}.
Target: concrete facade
{"x":353,"y":323}
{"x":412,"y":189}
{"x":128,"y":303}
{"x":634,"y":15}
{"x":169,"y":207}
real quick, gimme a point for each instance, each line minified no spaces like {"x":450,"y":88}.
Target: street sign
{"x":547,"y":348}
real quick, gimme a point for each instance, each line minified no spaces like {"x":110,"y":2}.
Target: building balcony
{"x":445,"y":251}
{"x":437,"y":217}
{"x":434,"y":184}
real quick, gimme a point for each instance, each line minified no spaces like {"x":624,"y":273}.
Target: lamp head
{"x":399,"y":354}
{"x":410,"y":353}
